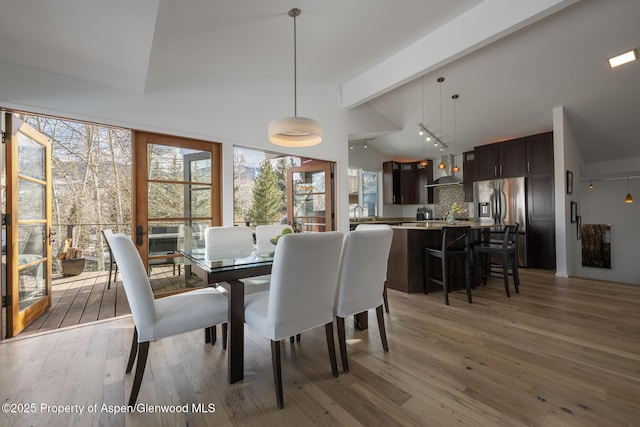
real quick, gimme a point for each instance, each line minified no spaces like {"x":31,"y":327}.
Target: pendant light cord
{"x":441,"y":133}
{"x":294,"y":13}
{"x":424,"y":149}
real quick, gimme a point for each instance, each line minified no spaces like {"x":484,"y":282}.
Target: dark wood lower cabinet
{"x":540,"y":247}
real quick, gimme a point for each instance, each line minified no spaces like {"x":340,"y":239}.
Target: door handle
{"x":51,"y":239}
{"x":139,"y":235}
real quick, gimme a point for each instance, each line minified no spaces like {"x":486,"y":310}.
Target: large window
{"x":259,"y":186}
{"x":275,"y":188}
{"x":363,"y":193}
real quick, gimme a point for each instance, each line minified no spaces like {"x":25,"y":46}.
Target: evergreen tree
{"x":282,"y":165}
{"x":266,"y":196}
{"x":239,"y":204}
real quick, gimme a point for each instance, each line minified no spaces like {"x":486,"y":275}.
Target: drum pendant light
{"x":295,"y":131}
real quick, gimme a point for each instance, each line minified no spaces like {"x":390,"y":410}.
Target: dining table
{"x":227,"y":271}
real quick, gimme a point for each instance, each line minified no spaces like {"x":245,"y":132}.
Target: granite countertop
{"x":437,"y":225}
{"x":371,"y":220}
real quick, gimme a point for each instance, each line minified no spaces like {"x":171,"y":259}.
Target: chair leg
{"x":516,"y":277}
{"x":213,"y":333}
{"x":486,"y":267}
{"x":298,"y":336}
{"x":137,"y":380}
{"x":467,"y":278}
{"x":445,"y":279}
{"x":384,"y":297}
{"x":110,"y":268}
{"x":342,"y":343}
{"x":505,"y":274}
{"x":207,"y":335}
{"x":427,"y":273}
{"x":277,"y":372}
{"x":331,"y":346}
{"x":133,"y":351}
{"x":225,"y":333}
{"x":476,"y":254}
{"x":383,"y":332}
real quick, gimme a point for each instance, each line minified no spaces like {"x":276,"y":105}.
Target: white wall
{"x":366,"y":158}
{"x":566,"y":150}
{"x":604,"y":204}
{"x":230,"y":110}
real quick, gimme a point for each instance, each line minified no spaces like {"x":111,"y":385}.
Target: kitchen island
{"x":405,"y":271}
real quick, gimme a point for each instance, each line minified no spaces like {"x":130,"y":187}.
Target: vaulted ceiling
{"x":510,"y":62}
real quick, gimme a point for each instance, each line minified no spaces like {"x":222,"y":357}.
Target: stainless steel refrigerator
{"x":504,"y":201}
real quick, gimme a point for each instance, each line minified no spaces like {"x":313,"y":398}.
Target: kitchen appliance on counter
{"x":504,"y":202}
{"x":423,"y":214}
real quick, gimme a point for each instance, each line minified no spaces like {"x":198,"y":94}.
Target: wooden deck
{"x":85,"y":298}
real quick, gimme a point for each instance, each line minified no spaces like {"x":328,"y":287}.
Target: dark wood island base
{"x":406,"y":270}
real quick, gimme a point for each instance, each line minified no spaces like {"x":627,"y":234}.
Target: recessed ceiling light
{"x":621,"y":59}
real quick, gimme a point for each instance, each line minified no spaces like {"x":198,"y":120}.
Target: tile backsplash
{"x":444,"y":197}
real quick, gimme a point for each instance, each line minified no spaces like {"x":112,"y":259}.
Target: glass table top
{"x":227,"y":261}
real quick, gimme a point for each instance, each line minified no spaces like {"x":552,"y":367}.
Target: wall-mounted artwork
{"x":596,"y":245}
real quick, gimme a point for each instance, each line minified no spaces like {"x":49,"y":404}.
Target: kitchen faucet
{"x":355,"y":211}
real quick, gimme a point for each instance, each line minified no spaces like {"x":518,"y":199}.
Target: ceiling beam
{"x":478,"y":27}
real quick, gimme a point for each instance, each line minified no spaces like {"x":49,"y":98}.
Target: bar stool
{"x":455,"y":244}
{"x":508,"y":251}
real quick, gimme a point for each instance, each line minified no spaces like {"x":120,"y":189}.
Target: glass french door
{"x":310,"y":200}
{"x":177,"y":195}
{"x":27,"y":257}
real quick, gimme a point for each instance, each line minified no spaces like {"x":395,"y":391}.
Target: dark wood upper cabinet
{"x":540,"y":153}
{"x":487,"y":158}
{"x":391,"y":183}
{"x":501,"y":160}
{"x":404,"y":183}
{"x":425,"y":176}
{"x":513,"y":158}
{"x":408,"y":184}
{"x":468,"y":174}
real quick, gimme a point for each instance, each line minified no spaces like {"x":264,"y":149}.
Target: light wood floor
{"x":564,"y":352}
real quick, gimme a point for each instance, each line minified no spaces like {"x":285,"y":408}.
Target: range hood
{"x":449,"y":178}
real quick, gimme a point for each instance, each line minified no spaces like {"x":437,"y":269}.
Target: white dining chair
{"x":107,"y":233}
{"x":361,"y":227}
{"x":228,"y":242}
{"x":234,"y":242}
{"x":303,"y":284}
{"x":164,"y":317}
{"x":264,"y":234}
{"x":361,"y":278}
